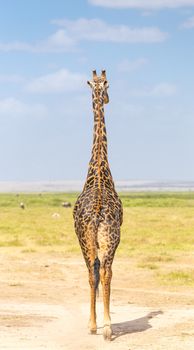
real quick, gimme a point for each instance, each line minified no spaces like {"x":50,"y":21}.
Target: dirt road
{"x":44,"y":305}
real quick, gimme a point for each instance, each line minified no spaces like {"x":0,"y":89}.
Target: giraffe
{"x":98,"y":211}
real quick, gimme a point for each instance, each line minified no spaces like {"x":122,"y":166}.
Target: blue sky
{"x":48,"y":49}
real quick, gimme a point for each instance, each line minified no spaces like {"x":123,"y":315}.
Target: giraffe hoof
{"x":92,"y":327}
{"x":107,"y":332}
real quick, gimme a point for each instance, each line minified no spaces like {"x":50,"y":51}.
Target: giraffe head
{"x":100,"y":86}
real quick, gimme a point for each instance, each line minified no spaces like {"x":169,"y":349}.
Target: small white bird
{"x":55,"y":215}
{"x":22,"y":206}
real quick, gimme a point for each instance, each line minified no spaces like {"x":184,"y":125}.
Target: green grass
{"x":158,"y":199}
{"x":178,"y":277}
{"x":155,"y":224}
{"x":43,"y":200}
{"x":148,"y":266}
{"x":157,"y":228}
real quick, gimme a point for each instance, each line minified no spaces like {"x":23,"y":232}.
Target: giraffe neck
{"x":99,"y":174}
{"x":99,"y":148}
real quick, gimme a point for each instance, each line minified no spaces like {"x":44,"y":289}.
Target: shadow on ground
{"x":135,"y":326}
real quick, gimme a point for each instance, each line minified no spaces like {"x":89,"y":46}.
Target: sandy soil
{"x":44,"y":304}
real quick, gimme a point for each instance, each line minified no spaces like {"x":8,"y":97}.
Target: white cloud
{"x":147,"y":13}
{"x":126,"y":109}
{"x":98,"y":30}
{"x":11,"y":78}
{"x":57,"y":82}
{"x":131,"y":66}
{"x":60,"y":41}
{"x":12,"y":107}
{"x":143,"y":4}
{"x":15,"y":46}
{"x":159,"y":90}
{"x":57,"y":42}
{"x":163,"y":89}
{"x":71,"y":32}
{"x":189,"y":23}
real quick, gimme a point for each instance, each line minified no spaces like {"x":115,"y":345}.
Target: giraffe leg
{"x":105,"y":277}
{"x":92,"y":322}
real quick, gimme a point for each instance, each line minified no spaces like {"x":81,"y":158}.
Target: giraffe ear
{"x":89,"y":83}
{"x":94,"y":75}
{"x":103,"y":74}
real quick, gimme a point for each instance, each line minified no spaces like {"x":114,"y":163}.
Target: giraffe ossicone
{"x":98,"y":212}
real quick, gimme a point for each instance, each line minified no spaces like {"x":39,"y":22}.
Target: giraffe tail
{"x":97,"y":274}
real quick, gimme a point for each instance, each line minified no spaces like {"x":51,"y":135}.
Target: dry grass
{"x":155,"y":230}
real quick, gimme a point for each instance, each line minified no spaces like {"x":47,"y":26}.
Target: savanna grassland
{"x":158,"y":229}
{"x":44,"y":290}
